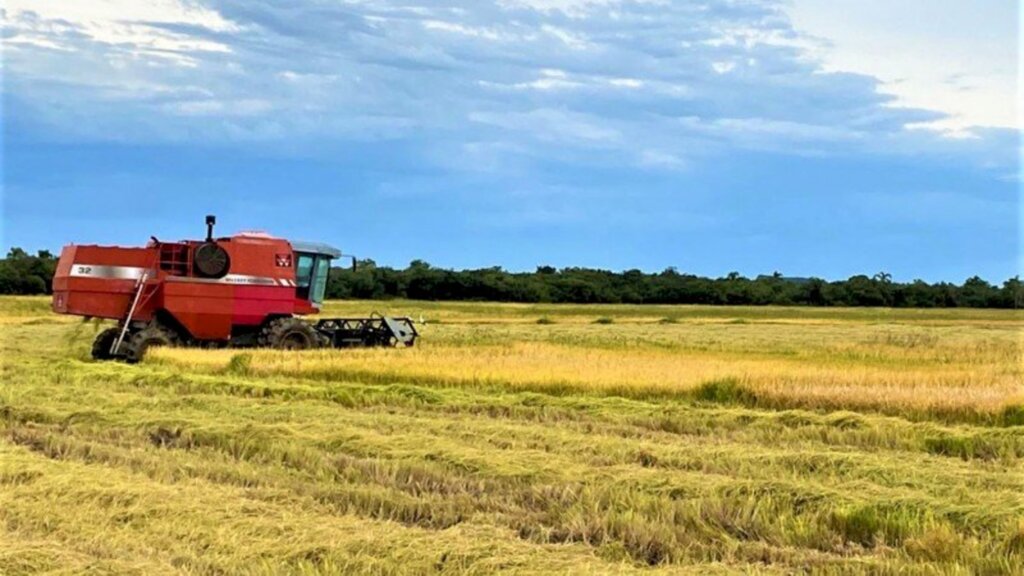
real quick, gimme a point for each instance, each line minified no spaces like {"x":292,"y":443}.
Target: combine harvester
{"x":245,"y":290}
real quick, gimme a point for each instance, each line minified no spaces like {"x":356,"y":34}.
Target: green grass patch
{"x":726,"y":391}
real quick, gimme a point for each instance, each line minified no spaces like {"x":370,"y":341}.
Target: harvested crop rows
{"x":530,"y":439}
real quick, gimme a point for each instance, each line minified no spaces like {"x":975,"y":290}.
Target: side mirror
{"x":355,"y":263}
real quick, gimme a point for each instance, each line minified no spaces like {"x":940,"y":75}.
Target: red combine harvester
{"x":245,"y":290}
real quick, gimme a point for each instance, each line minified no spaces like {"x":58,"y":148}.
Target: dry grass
{"x":726,"y":440}
{"x":961,"y":372}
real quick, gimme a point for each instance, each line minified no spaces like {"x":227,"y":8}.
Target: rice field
{"x":528,"y":439}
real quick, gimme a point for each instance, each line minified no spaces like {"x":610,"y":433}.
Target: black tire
{"x":134,"y":347}
{"x":103,"y":343}
{"x":290,"y":334}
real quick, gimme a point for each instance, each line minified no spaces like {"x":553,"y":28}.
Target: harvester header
{"x":244,"y":290}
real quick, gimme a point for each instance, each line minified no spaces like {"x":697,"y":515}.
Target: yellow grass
{"x":851,"y":365}
{"x":674,"y":440}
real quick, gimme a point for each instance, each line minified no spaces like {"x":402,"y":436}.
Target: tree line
{"x":23,"y":273}
{"x":422,"y":281}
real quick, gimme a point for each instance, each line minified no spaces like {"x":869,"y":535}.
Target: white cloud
{"x":652,"y":84}
{"x":549,"y":79}
{"x":552,"y":125}
{"x":103,"y":12}
{"x":136,"y":26}
{"x":573,"y":8}
{"x":947,"y":55}
{"x":478,"y":32}
{"x":661,"y":159}
{"x":210,"y":107}
{"x":723,"y":67}
{"x":574,"y":41}
{"x":750,"y":37}
{"x":626,"y":83}
{"x":779,"y":130}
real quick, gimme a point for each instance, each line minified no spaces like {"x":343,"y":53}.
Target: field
{"x":526,"y":439}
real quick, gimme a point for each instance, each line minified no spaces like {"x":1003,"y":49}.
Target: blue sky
{"x":810,"y":137}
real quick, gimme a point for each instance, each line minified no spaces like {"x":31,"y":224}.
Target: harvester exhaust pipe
{"x":210,"y":221}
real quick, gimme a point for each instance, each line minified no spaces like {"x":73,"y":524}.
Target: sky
{"x":810,"y":137}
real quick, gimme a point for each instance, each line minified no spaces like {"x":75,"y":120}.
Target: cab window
{"x":323,"y":268}
{"x":304,"y":271}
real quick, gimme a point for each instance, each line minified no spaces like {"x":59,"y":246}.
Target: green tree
{"x":977,"y":293}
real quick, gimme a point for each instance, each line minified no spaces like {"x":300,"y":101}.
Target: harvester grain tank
{"x":244,"y":290}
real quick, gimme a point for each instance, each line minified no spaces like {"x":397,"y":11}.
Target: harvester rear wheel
{"x":290,"y":334}
{"x":103,"y":343}
{"x":135,"y":346}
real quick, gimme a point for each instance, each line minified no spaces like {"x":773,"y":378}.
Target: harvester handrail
{"x":139,"y":287}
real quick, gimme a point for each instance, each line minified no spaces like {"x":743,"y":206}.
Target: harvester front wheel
{"x":103,"y":343}
{"x":290,"y":334}
{"x":135,"y":346}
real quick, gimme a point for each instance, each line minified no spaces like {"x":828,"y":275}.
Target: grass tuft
{"x":872,"y":524}
{"x":725,"y":391}
{"x":1012,"y":415}
{"x":937,"y":544}
{"x":963,"y":447}
{"x":239,"y":364}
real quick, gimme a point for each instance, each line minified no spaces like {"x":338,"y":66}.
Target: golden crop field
{"x":525,"y":439}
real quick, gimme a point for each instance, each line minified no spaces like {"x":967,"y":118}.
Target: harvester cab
{"x":312,"y":268}
{"x":249,"y":289}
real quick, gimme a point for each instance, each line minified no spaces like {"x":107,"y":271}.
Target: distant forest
{"x":23,"y":273}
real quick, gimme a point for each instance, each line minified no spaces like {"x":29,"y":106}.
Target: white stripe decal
{"x":134,"y":273}
{"x":108,"y":272}
{"x":236,"y":279}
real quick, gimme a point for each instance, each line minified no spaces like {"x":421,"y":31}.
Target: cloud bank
{"x":654,"y":84}
{"x":645,"y":121}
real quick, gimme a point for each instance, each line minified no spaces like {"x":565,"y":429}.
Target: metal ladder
{"x":140,"y":287}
